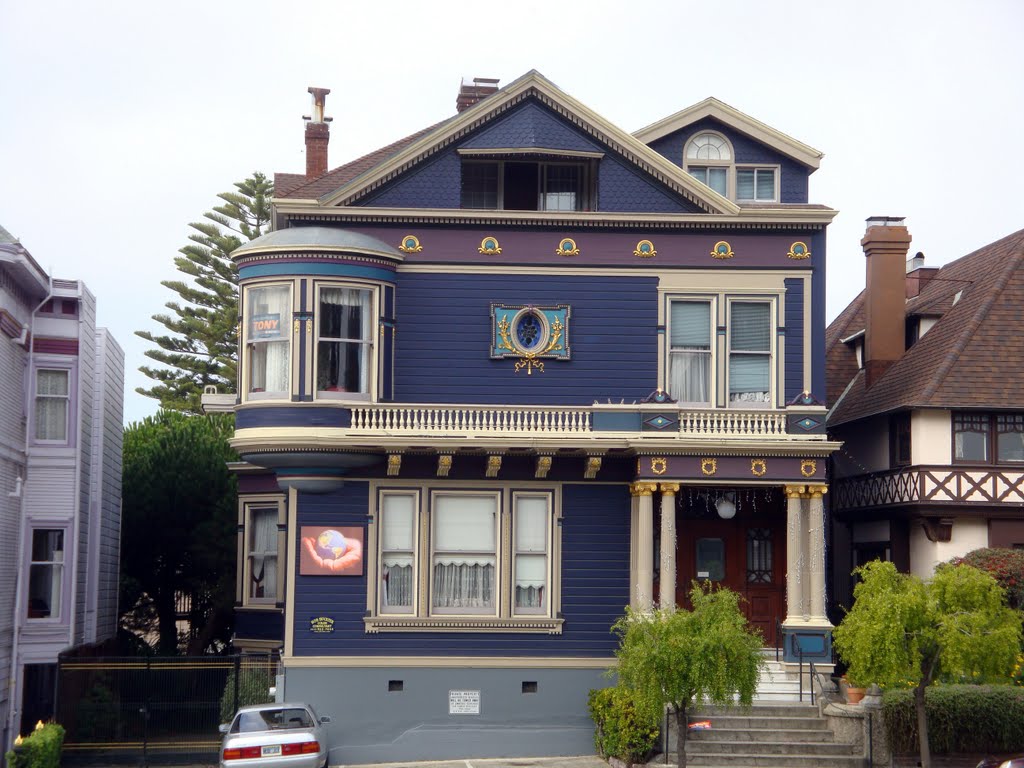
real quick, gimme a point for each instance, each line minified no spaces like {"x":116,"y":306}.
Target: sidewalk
{"x":585,"y":761}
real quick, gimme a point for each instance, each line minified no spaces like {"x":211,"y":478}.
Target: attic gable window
{"x":527,"y":184}
{"x":710,"y":159}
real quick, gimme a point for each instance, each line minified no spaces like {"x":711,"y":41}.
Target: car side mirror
{"x":325,"y":719}
{"x":223,"y":728}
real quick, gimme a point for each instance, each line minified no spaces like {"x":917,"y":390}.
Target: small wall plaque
{"x":321,"y":625}
{"x":463,"y":702}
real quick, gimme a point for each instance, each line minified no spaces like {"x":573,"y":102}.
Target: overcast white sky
{"x":121,"y":121}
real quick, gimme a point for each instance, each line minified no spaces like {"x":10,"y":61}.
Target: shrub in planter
{"x":622,"y":729}
{"x":961,"y":718}
{"x":41,"y":749}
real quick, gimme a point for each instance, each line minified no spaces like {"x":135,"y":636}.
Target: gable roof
{"x":965,"y":360}
{"x":732,"y":117}
{"x":354,"y":180}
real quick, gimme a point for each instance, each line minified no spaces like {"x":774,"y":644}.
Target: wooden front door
{"x":745,"y":554}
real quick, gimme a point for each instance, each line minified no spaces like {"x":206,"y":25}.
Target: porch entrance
{"x":746,"y":553}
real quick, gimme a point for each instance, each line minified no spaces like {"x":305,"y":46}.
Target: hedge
{"x":40,"y":749}
{"x":621,"y":731}
{"x":961,"y":718}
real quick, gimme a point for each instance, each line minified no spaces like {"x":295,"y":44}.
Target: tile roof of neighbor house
{"x":972,"y":357}
{"x":6,"y":237}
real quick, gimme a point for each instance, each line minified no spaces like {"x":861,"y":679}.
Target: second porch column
{"x":794,"y":552}
{"x":645,"y":544}
{"x":816,"y":531}
{"x":667,"y":579}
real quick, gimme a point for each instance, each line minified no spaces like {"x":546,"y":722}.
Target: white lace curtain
{"x":531,"y":562}
{"x":51,"y":405}
{"x":263,"y":553}
{"x":270,"y":353}
{"x":689,"y":374}
{"x":465,"y":544}
{"x":344,"y":339}
{"x":398,"y":572}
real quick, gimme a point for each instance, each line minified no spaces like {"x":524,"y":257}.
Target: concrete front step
{"x":747,"y":760}
{"x":802,"y":735}
{"x":762,"y":722}
{"x":818,"y":748}
{"x":788,"y":709}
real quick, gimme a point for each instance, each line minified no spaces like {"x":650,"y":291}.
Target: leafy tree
{"x":902,"y":628}
{"x":202,"y":344}
{"x":679,"y":657}
{"x":178,"y":529}
{"x":1006,"y":566}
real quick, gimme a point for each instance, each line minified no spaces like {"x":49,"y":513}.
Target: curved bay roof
{"x":316,"y":238}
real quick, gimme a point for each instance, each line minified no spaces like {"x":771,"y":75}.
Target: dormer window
{"x":709,"y":158}
{"x":524,"y":184}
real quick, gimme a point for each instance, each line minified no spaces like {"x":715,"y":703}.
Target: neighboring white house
{"x":61,"y":401}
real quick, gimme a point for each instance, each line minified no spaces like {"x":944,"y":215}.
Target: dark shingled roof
{"x":973,"y":357}
{"x":296,"y":185}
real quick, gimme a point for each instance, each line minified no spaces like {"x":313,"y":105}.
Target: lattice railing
{"x":931,"y":484}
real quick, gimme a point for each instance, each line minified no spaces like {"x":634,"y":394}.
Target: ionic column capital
{"x":643,"y":489}
{"x":668,"y":487}
{"x":817,"y":491}
{"x":795,"y":491}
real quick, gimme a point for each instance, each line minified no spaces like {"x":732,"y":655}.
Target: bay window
{"x":46,"y":574}
{"x":344,"y":328}
{"x":465,"y":529}
{"x":53,"y":398}
{"x":689,"y":360}
{"x":750,"y":353}
{"x":268,"y":311}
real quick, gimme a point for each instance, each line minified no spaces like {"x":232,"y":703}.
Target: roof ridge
{"x":972,"y":325}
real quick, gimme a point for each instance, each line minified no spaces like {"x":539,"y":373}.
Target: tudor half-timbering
{"x":503,"y":378}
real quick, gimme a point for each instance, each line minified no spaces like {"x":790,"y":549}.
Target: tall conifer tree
{"x":202,"y":344}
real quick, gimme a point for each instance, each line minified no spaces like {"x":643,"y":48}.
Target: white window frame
{"x":377,"y":572}
{"x":425,"y":617}
{"x":37,"y":396}
{"x":772,"y":353}
{"x":726,"y":163}
{"x":757,"y":169}
{"x":496,"y":553}
{"x":370,"y":342}
{"x":60,"y":565}
{"x":246,"y":507}
{"x":545,"y":609}
{"x":249,"y":344}
{"x":712,"y":301}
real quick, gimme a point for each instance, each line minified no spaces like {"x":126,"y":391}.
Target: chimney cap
{"x":885,"y":221}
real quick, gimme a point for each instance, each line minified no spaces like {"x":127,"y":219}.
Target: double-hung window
{"x":46,"y":573}
{"x":268,"y":311}
{"x":261,"y":564}
{"x":53,"y":398}
{"x":344,"y":340}
{"x":487,"y":557}
{"x":750,"y":353}
{"x":690,"y":359}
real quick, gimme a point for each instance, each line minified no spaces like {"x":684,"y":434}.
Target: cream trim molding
{"x":448,"y":624}
{"x":482,"y":662}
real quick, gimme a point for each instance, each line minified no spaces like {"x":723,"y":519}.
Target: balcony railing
{"x":933,"y":485}
{"x":731,"y":423}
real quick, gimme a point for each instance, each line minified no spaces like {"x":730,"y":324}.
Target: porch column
{"x":816,"y":531}
{"x":794,"y":553}
{"x":645,"y":543}
{"x":667,"y":581}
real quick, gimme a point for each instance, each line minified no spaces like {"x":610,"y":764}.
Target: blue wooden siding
{"x":595,"y":585}
{"x":794,"y":374}
{"x":818,"y":323}
{"x":444,"y":336}
{"x":438,"y":182}
{"x":793,"y":175}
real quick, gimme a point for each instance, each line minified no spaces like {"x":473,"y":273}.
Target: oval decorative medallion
{"x":410,"y":244}
{"x":722,"y":250}
{"x":489,"y":246}
{"x":567,"y":247}
{"x":645,"y":249}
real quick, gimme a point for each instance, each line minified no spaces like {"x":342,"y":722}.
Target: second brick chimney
{"x":885,"y":244}
{"x":471,"y":93}
{"x":318,"y":134}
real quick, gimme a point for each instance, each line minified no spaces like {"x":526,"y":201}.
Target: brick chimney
{"x":885,"y":244}
{"x":318,"y":133}
{"x":471,"y":93}
{"x":918,"y":275}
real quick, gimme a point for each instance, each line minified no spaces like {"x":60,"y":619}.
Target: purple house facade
{"x":507,"y":376}
{"x":60,"y":481}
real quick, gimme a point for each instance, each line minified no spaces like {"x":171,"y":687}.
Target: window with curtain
{"x":465,"y":541}
{"x":397,"y":552}
{"x":53,"y":397}
{"x":689,"y":358}
{"x":268,"y":312}
{"x":530,"y":556}
{"x":262,"y":541}
{"x":343,"y":341}
{"x":750,"y":331}
{"x":46,"y":573}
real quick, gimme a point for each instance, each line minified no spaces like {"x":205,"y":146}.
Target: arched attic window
{"x":709,"y":159}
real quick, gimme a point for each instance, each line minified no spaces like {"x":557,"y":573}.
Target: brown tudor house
{"x":923,"y":374}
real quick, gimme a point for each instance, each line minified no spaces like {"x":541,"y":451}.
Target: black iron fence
{"x":154,"y":710}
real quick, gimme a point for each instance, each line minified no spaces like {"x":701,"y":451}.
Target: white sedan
{"x":275,"y":736}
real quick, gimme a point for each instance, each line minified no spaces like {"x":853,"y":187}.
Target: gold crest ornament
{"x":758,"y":467}
{"x":722,"y":250}
{"x":808,"y":467}
{"x":645,"y":250}
{"x":708,"y":467}
{"x":489,"y":246}
{"x":659,"y":465}
{"x":410,"y":244}
{"x":799,"y":250}
{"x":567,"y":247}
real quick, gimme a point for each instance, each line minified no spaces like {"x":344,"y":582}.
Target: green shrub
{"x":961,"y":718}
{"x":254,"y":685}
{"x":621,"y":731}
{"x":40,"y":749}
{"x":1006,"y":566}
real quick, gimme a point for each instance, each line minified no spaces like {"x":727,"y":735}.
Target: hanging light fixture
{"x":725,"y":505}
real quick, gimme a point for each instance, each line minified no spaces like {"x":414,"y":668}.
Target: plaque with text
{"x":463,"y":702}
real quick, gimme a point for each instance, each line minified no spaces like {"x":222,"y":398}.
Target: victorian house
{"x":924,"y":371}
{"x":61,"y":396}
{"x":508,"y":375}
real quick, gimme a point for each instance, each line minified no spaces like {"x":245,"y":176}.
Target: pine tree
{"x":202,"y":346}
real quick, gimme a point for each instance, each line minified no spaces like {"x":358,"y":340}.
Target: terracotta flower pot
{"x":854,"y":695}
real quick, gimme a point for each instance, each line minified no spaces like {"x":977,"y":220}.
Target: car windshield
{"x":272,"y":719}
